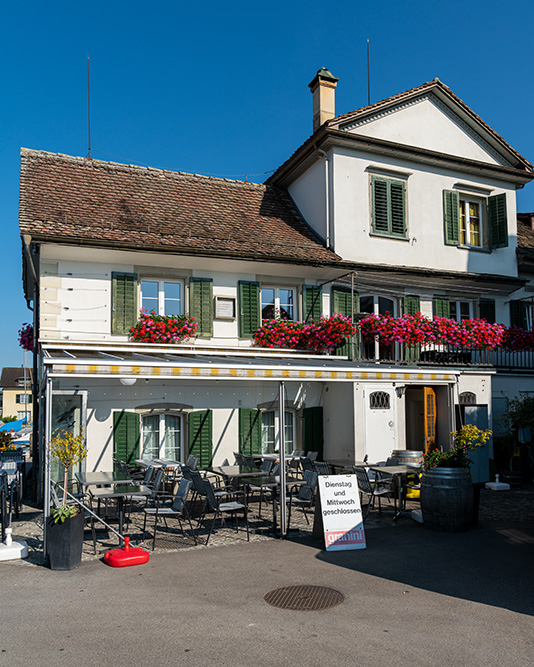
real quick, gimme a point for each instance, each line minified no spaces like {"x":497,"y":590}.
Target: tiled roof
{"x":79,"y":200}
{"x":10,"y":377}
{"x":525,"y":239}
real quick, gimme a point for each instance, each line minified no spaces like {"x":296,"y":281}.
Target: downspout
{"x":31,"y":250}
{"x":327,"y":193}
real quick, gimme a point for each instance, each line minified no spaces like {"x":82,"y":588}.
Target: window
{"x":379,"y":400}
{"x":475,"y":222}
{"x":460,"y":310}
{"x":269,"y":429}
{"x":23,"y":398}
{"x":380,"y":305}
{"x":162,"y":297}
{"x":470,"y":223}
{"x":162,"y":437}
{"x":388,"y":207}
{"x":522,"y":314}
{"x":277,"y":302}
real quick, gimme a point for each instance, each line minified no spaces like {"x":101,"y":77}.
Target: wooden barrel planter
{"x":407,"y":456}
{"x":447,"y":499}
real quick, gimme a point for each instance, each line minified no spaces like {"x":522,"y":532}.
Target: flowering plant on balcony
{"x":516,"y":339}
{"x":152,"y":328}
{"x":329,"y":333}
{"x":420,"y":330}
{"x":26,"y":337}
{"x":322,"y":336}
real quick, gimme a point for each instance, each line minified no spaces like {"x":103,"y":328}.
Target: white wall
{"x":427,"y":124}
{"x":224,"y":398}
{"x":425,"y":244}
{"x":76,"y":287}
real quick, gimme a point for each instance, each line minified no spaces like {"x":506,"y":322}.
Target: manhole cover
{"x":304,"y":598}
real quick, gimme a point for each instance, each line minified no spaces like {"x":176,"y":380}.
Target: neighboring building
{"x":17,"y":400}
{"x":411,"y":200}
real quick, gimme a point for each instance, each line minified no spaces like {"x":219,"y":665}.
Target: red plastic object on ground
{"x":126,"y":556}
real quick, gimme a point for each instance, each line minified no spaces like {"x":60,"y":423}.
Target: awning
{"x":170,"y":362}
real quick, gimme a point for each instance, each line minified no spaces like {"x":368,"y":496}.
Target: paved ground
{"x":413,"y":597}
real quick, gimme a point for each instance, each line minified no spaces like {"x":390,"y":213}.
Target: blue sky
{"x":222,"y":88}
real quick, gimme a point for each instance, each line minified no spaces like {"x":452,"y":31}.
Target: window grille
{"x":379,"y":400}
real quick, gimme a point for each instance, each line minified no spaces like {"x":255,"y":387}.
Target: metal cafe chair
{"x":302,"y":495}
{"x":177,"y":509}
{"x":322,"y":467}
{"x":378,"y":489}
{"x":220,"y":508}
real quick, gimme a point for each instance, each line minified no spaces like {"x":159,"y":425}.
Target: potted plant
{"x":65,"y":524}
{"x":446,"y":485}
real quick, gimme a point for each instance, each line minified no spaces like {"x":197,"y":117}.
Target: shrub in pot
{"x":64,"y":533}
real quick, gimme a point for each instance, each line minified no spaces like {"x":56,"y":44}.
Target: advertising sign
{"x":341,"y":512}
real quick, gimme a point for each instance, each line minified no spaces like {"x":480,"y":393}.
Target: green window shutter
{"x":126,"y":436}
{"x":200,"y":437}
{"x":411,"y":305}
{"x":341,"y":301}
{"x":518,"y":316}
{"x":380,"y":206}
{"x":17,"y":398}
{"x":451,"y":217}
{"x":389,"y":214}
{"x":123,"y":302}
{"x":312,"y":435}
{"x":249,"y":431}
{"x":487,"y":310}
{"x":341,"y":304}
{"x":249,"y":308}
{"x":441,"y":308}
{"x":498,"y":222}
{"x":201,"y":304}
{"x":312,"y":302}
{"x":30,"y":398}
{"x":398,"y":218}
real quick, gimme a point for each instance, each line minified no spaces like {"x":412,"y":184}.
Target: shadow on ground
{"x":490,"y":564}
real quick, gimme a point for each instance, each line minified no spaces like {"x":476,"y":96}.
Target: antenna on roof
{"x":368,"y":77}
{"x":88,"y":111}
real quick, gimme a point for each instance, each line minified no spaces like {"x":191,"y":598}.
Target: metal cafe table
{"x":399,"y":473}
{"x":159,"y":463}
{"x":271,"y":482}
{"x":112,"y":485}
{"x":236,"y":472}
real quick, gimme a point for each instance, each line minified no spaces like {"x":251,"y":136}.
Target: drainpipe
{"x":327,"y":193}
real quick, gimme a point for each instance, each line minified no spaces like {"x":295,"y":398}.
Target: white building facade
{"x":407,"y":205}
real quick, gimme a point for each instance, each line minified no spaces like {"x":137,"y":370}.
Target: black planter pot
{"x":447,"y":499}
{"x":65,"y":542}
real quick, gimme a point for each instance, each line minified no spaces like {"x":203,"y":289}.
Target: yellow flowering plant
{"x":468,"y":438}
{"x":69,"y":449}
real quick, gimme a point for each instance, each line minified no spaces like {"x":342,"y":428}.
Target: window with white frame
{"x":278,"y":303}
{"x":379,"y":305}
{"x":460,"y":310}
{"x":163,"y":297}
{"x":471,"y":223}
{"x":162,"y":437}
{"x":270,"y":423}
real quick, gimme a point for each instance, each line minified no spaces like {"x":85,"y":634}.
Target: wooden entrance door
{"x":430,"y":418}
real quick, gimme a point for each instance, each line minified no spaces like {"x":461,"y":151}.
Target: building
{"x":17,"y":399}
{"x":407,"y":205}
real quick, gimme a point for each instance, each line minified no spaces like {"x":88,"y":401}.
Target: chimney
{"x":323,"y":88}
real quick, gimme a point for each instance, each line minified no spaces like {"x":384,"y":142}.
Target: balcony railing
{"x":443,"y":355}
